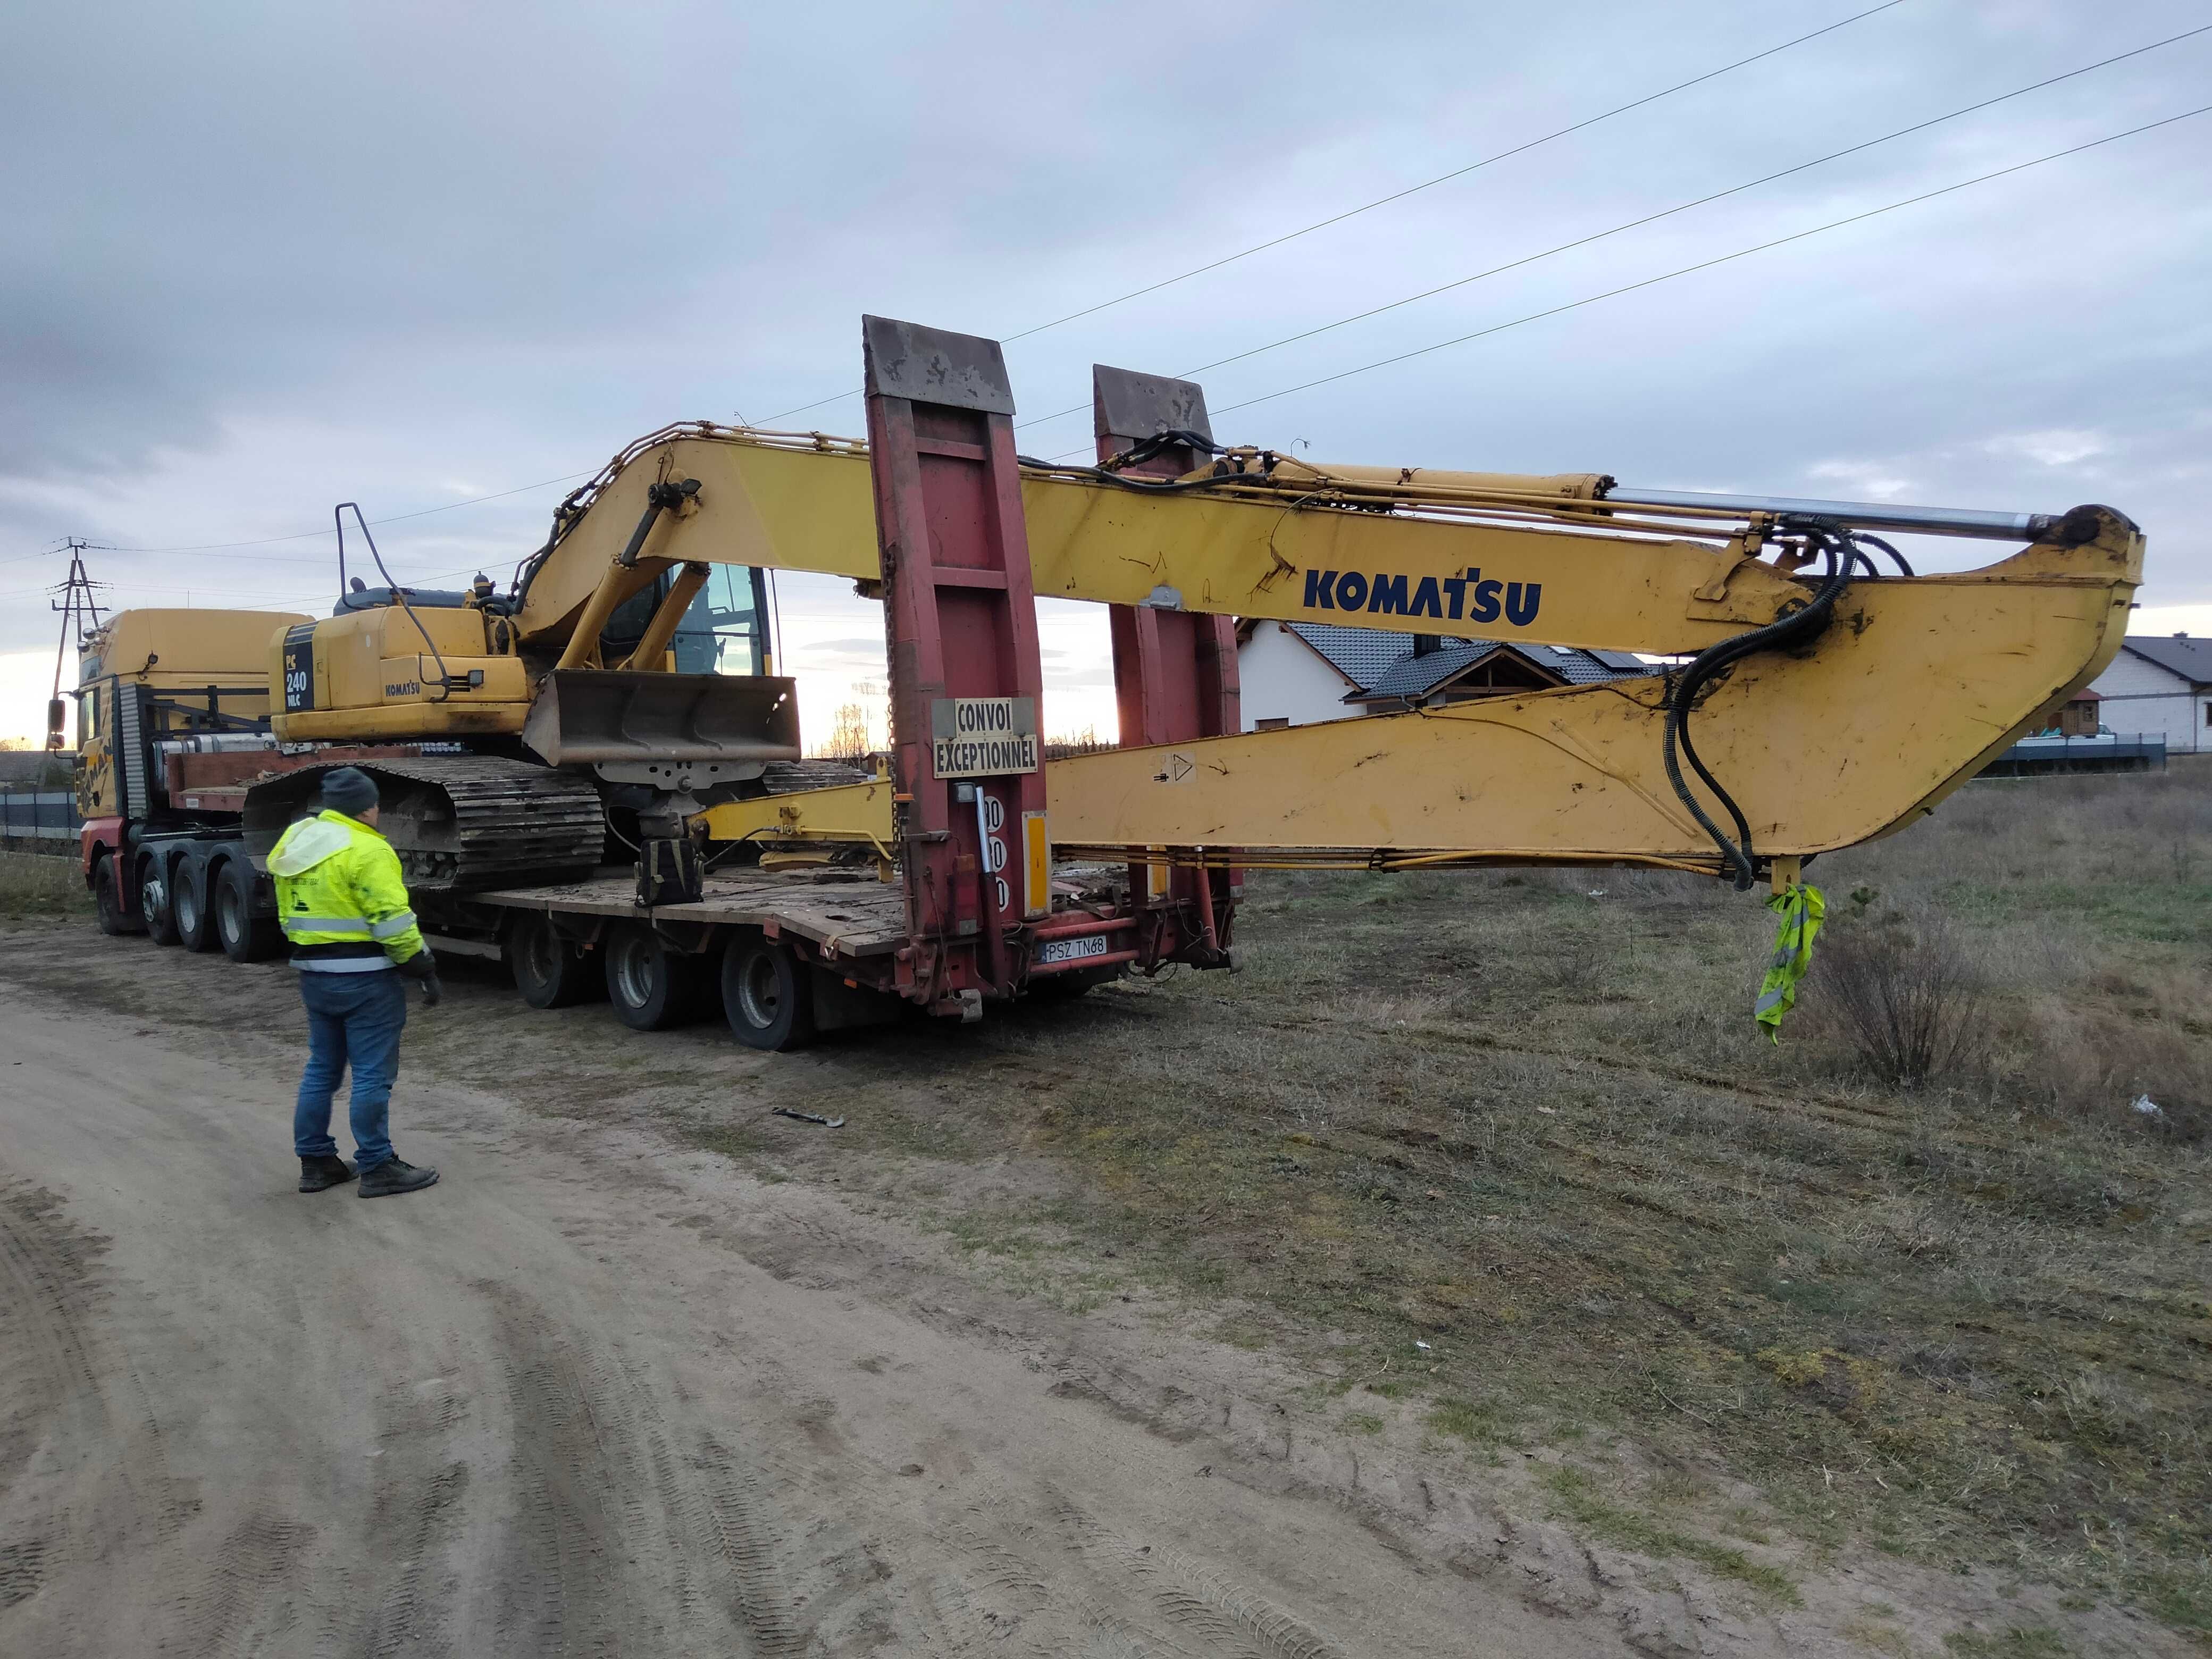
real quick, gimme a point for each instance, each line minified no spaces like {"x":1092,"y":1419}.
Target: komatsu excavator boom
{"x":1824,"y":703}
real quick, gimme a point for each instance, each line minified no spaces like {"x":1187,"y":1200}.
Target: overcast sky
{"x":260,"y":258}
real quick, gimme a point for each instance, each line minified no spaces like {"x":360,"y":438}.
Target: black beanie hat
{"x":348,"y":790}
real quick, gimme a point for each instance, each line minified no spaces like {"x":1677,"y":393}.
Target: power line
{"x":1653,"y":218}
{"x":1613,"y":292}
{"x":1277,"y":241}
{"x":1572,"y":305}
{"x":1457,"y":172}
{"x":1399,"y":195}
{"x":281,"y":602}
{"x":213,"y":549}
{"x":303,"y":534}
{"x":1497,"y":328}
{"x":61,"y":546}
{"x":1707,"y":265}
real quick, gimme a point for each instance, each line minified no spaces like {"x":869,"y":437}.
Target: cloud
{"x":1863,"y":480}
{"x":2060,"y":447}
{"x":263,"y":258}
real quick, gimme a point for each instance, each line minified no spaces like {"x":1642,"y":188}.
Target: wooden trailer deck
{"x":853,"y":918}
{"x":862,"y":918}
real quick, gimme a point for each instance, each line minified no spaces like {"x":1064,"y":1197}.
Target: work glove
{"x":424,"y":967}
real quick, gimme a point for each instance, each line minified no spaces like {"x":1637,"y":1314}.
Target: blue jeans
{"x":351,"y":1019}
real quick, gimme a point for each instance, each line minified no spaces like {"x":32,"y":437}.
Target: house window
{"x":1282,"y":723}
{"x":2208,"y":713}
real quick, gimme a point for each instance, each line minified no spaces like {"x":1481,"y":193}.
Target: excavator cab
{"x":723,"y":630}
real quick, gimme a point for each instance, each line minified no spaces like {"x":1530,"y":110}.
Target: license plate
{"x":1072,"y":949}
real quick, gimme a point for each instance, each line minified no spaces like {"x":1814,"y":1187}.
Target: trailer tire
{"x":245,"y":936}
{"x":651,"y":985}
{"x":548,"y":971}
{"x":108,"y":900}
{"x":188,"y":905}
{"x":767,"y":994}
{"x":153,"y":901}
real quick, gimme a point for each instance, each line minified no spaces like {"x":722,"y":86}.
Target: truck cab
{"x":157,"y":690}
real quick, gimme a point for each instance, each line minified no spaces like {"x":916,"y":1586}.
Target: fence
{"x":46,"y":816}
{"x":2044,"y":756}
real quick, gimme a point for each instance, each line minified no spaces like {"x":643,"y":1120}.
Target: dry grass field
{"x":35,"y":886}
{"x":1499,"y":1161}
{"x":1504,"y":1150}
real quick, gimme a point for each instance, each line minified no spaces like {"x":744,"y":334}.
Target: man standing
{"x":345,"y":909}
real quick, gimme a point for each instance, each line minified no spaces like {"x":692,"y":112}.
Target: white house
{"x":1296,"y":673}
{"x":1284,"y":678}
{"x":2161,"y":684}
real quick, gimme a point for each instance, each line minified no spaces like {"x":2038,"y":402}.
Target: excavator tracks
{"x":476,"y":821}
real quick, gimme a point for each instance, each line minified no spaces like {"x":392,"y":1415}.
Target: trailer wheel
{"x":188,"y":904}
{"x":768,"y":994}
{"x":548,"y":971}
{"x":108,"y":900}
{"x":246,"y":936}
{"x":651,"y":985}
{"x":153,"y":901}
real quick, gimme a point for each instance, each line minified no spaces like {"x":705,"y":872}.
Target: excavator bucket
{"x":593,"y":716}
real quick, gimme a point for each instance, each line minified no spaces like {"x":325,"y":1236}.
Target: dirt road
{"x":542,"y":1410}
{"x":605,"y":1391}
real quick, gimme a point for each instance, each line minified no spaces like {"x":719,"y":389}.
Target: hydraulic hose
{"x":1784,"y":631}
{"x":1143,"y":450}
{"x":1141,"y":486}
{"x":1862,"y":537}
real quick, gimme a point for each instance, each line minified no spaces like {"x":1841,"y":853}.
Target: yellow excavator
{"x":1810,"y":692}
{"x":1825,"y":700}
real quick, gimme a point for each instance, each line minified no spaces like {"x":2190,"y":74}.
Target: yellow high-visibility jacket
{"x":340,"y":896}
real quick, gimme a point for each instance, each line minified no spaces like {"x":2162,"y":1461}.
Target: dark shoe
{"x":318,"y":1174}
{"x":395,"y":1174}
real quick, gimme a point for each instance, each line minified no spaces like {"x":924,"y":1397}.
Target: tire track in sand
{"x":562,"y":1590}
{"x":61,"y":1391}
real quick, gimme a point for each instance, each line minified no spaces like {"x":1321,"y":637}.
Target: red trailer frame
{"x":975,"y":917}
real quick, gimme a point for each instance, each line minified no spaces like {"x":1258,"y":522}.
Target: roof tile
{"x":1360,"y":655}
{"x":2175,"y":654}
{"x":1382,"y":664}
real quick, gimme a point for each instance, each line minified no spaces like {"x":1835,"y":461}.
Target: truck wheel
{"x":768,"y":994}
{"x":153,"y":901}
{"x":108,"y":900}
{"x":548,"y":970}
{"x":188,"y":904}
{"x":651,"y":985}
{"x":246,"y":936}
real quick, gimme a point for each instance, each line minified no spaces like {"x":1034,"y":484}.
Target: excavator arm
{"x":1783,"y":739}
{"x":1293,"y":544}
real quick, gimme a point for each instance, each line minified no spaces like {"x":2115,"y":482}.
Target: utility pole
{"x":77,"y":601}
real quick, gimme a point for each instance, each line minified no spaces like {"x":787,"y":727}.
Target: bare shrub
{"x":2093,"y":1064}
{"x":1903,"y":992}
{"x":39,"y":884}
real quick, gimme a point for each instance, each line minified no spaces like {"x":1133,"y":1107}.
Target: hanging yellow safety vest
{"x":1801,"y":908}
